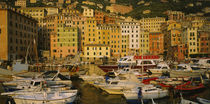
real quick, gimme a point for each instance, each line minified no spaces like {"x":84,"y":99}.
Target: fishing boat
{"x":203,"y":101}
{"x":186,"y":70}
{"x":58,"y":97}
{"x":188,"y":88}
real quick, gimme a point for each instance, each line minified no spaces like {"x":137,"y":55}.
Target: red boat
{"x":189,"y":87}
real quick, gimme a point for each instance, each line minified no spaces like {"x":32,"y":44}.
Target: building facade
{"x":18,"y":35}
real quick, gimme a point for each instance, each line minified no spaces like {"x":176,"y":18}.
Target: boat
{"x":137,"y":62}
{"x":58,"y":97}
{"x":186,"y":70}
{"x":161,"y":68}
{"x":152,"y":92}
{"x":49,"y":78}
{"x":188,"y":88}
{"x":203,"y":101}
{"x":145,"y":92}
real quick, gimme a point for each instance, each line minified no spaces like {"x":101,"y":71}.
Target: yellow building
{"x":90,"y":32}
{"x":36,"y":12}
{"x":17,"y":34}
{"x":93,"y":52}
{"x":175,"y":33}
{"x":51,"y":10}
{"x":33,"y":1}
{"x":152,"y":24}
{"x":144,"y":43}
{"x":192,"y":40}
{"x":21,"y":3}
{"x":110,"y":34}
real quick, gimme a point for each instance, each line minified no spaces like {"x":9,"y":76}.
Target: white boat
{"x":152,"y":92}
{"x":145,"y":92}
{"x":116,"y":86}
{"x":203,"y":101}
{"x":186,"y":70}
{"x":161,"y":67}
{"x":50,"y":78}
{"x":58,"y":97}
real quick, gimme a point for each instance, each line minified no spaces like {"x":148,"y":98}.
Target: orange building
{"x":109,"y":20}
{"x":65,"y":42}
{"x":99,"y":17}
{"x":156,"y":43}
{"x":204,"y":42}
{"x":182,"y":52}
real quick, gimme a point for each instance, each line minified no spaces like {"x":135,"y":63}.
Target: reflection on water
{"x":91,"y":95}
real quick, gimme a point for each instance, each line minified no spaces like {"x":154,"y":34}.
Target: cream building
{"x":88,"y":12}
{"x":152,"y":24}
{"x":21,"y":3}
{"x":132,"y":30}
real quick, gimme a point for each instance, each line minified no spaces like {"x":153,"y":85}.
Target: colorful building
{"x":132,"y":30}
{"x":90,"y":32}
{"x":99,"y":16}
{"x":65,"y":43}
{"x":156,"y":43}
{"x":192,"y":40}
{"x":18,"y":35}
{"x":144,"y":43}
{"x":95,"y":52}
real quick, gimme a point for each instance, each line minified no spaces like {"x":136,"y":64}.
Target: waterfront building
{"x":18,"y":35}
{"x":192,"y":40}
{"x":204,"y":42}
{"x":90,"y":32}
{"x":182,"y":52}
{"x":175,"y":33}
{"x":79,"y":22}
{"x":144,"y":43}
{"x":132,"y":30}
{"x":95,"y":52}
{"x":152,"y":24}
{"x":65,"y":42}
{"x":156,"y":43}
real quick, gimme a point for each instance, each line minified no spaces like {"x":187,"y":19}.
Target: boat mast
{"x":142,"y":67}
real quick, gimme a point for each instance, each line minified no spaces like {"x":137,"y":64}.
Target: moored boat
{"x":62,"y":97}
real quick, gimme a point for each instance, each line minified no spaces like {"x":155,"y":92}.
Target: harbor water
{"x":88,"y":94}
